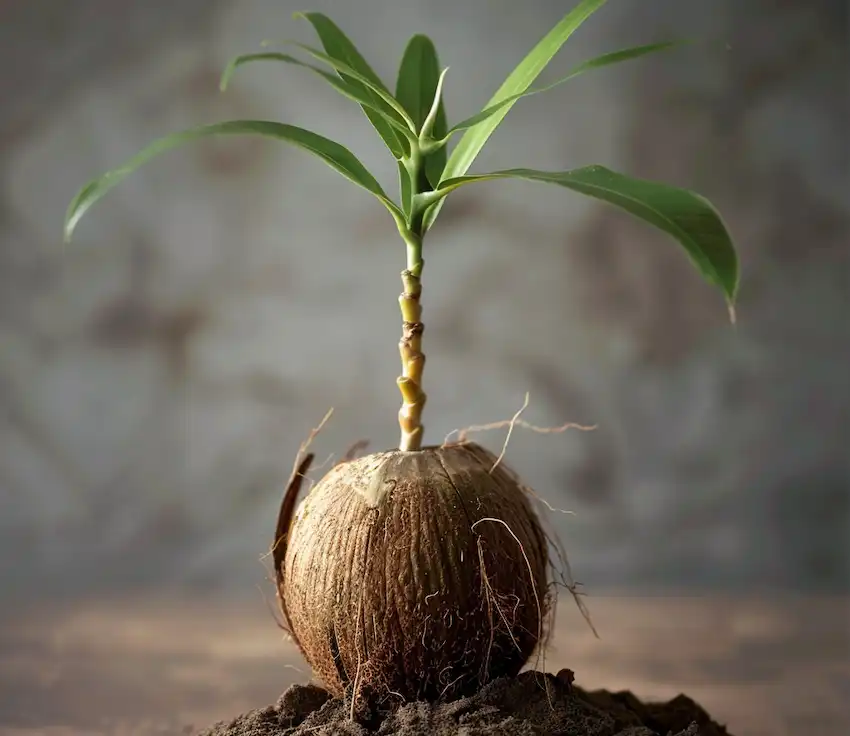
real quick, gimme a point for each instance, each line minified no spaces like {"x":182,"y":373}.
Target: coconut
{"x":413,"y":574}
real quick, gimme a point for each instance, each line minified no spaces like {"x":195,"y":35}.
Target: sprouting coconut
{"x":421,"y":572}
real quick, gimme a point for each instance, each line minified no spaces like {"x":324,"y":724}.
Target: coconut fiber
{"x":531,"y":704}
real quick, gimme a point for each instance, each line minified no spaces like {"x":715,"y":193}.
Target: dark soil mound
{"x":520,"y":706}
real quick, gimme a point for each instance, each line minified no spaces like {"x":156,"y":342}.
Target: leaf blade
{"x":621,"y":55}
{"x":392,"y":117}
{"x":435,"y":164}
{"x":685,"y":215}
{"x":335,"y":155}
{"x":519,"y":80}
{"x":338,"y":46}
{"x":614,"y":57}
{"x":417,"y":78}
{"x":416,"y":88}
{"x":380,"y":97}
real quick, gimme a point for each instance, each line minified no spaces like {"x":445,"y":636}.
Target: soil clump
{"x":531,"y":704}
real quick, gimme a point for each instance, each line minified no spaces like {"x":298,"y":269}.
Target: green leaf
{"x":614,"y":57}
{"x":394,"y":118}
{"x":338,"y":46}
{"x":690,"y":218}
{"x":435,"y":163}
{"x":385,"y":100}
{"x":335,"y":155}
{"x":416,"y":89}
{"x":519,"y":80}
{"x":417,"y":78}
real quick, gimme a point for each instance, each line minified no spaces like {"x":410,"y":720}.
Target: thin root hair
{"x":515,"y":421}
{"x":535,"y":592}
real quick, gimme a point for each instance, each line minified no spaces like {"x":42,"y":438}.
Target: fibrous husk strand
{"x":281,"y":537}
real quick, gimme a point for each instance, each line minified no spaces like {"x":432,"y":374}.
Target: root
{"x":494,"y":602}
{"x":450,"y":685}
{"x":490,"y":603}
{"x":355,"y":689}
{"x":491,"y":596}
{"x":527,"y":564}
{"x":563,"y":577}
{"x":515,"y":421}
{"x":561,"y":572}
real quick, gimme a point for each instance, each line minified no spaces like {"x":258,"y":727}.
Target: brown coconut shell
{"x":419,"y":575}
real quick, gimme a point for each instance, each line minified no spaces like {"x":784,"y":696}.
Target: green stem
{"x":410,"y":345}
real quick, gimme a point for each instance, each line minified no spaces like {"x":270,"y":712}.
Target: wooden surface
{"x":766,"y":667}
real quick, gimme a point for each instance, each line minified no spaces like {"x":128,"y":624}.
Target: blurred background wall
{"x":157,"y":377}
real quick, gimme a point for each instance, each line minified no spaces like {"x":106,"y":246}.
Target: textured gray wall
{"x":157,"y":377}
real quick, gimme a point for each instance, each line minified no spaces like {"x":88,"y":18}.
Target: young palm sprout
{"x":421,"y":572}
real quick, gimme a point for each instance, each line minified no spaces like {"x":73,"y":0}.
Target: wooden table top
{"x":146,"y":667}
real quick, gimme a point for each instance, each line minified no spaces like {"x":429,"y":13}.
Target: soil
{"x":532,"y":704}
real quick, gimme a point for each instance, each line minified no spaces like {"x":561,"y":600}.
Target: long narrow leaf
{"x":338,"y":46}
{"x":519,"y":80}
{"x":380,"y":97}
{"x":335,"y":155}
{"x":394,"y":118}
{"x":435,"y":164}
{"x":417,"y":78}
{"x":615,"y":57}
{"x":416,"y":87}
{"x":690,"y":218}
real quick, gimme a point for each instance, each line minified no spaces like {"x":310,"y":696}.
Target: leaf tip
{"x":438,"y":94}
{"x":733,"y":315}
{"x":68,"y":230}
{"x":229,"y":71}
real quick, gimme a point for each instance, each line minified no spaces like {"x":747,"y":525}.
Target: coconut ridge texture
{"x":413,"y":576}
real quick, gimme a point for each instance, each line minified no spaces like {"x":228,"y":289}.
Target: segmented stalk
{"x":422,"y":197}
{"x":410,"y":348}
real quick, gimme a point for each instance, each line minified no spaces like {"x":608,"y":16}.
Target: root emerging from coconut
{"x":413,"y":575}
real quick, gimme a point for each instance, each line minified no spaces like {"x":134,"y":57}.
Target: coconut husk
{"x":413,"y":575}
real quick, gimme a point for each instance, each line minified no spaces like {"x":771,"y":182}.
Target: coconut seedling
{"x":422,"y":571}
